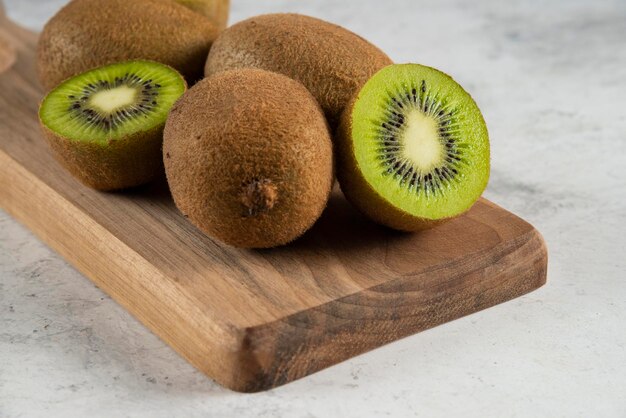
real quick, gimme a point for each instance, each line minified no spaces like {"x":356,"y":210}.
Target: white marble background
{"x":550,"y":77}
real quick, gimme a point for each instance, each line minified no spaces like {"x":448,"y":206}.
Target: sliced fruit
{"x":105,"y":126}
{"x":413,"y":148}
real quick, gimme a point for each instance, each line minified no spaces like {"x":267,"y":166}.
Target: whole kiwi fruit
{"x":90,"y":33}
{"x":248,"y":158}
{"x":216,"y":10}
{"x":329,"y":60}
{"x":105,"y":126}
{"x":412,"y":148}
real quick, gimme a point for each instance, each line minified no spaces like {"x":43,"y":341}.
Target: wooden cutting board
{"x":253,"y":320}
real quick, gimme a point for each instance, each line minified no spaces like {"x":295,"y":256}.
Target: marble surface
{"x":550,"y":77}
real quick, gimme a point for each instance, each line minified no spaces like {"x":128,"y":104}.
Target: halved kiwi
{"x":106,"y":125}
{"x":413,"y":148}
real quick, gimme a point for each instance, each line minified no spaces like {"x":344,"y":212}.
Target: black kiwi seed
{"x":145,"y":102}
{"x":390,"y":149}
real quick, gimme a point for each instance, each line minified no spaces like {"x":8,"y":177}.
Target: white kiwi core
{"x":116,"y":98}
{"x":420,"y":141}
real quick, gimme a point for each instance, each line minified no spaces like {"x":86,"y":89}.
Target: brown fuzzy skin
{"x":89,"y":33}
{"x":216,"y":10}
{"x":248,"y":158}
{"x":359,"y":192}
{"x":332,"y":62}
{"x":120,"y":164}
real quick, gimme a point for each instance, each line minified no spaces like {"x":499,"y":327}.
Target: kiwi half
{"x":413,"y":148}
{"x":106,"y":125}
{"x":248,"y":158}
{"x":329,"y":60}
{"x":90,"y":33}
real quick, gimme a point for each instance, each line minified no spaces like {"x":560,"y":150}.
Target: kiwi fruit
{"x":329,"y":60}
{"x":90,"y":33}
{"x":248,"y":158}
{"x":216,"y":10}
{"x":106,"y":126}
{"x":413,"y":148}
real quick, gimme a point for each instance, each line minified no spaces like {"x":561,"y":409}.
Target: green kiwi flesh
{"x":105,"y":126}
{"x":413,"y":148}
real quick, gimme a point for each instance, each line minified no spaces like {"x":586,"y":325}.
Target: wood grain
{"x":253,"y":320}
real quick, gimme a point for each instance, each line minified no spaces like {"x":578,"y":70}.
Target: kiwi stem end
{"x":258,"y":196}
